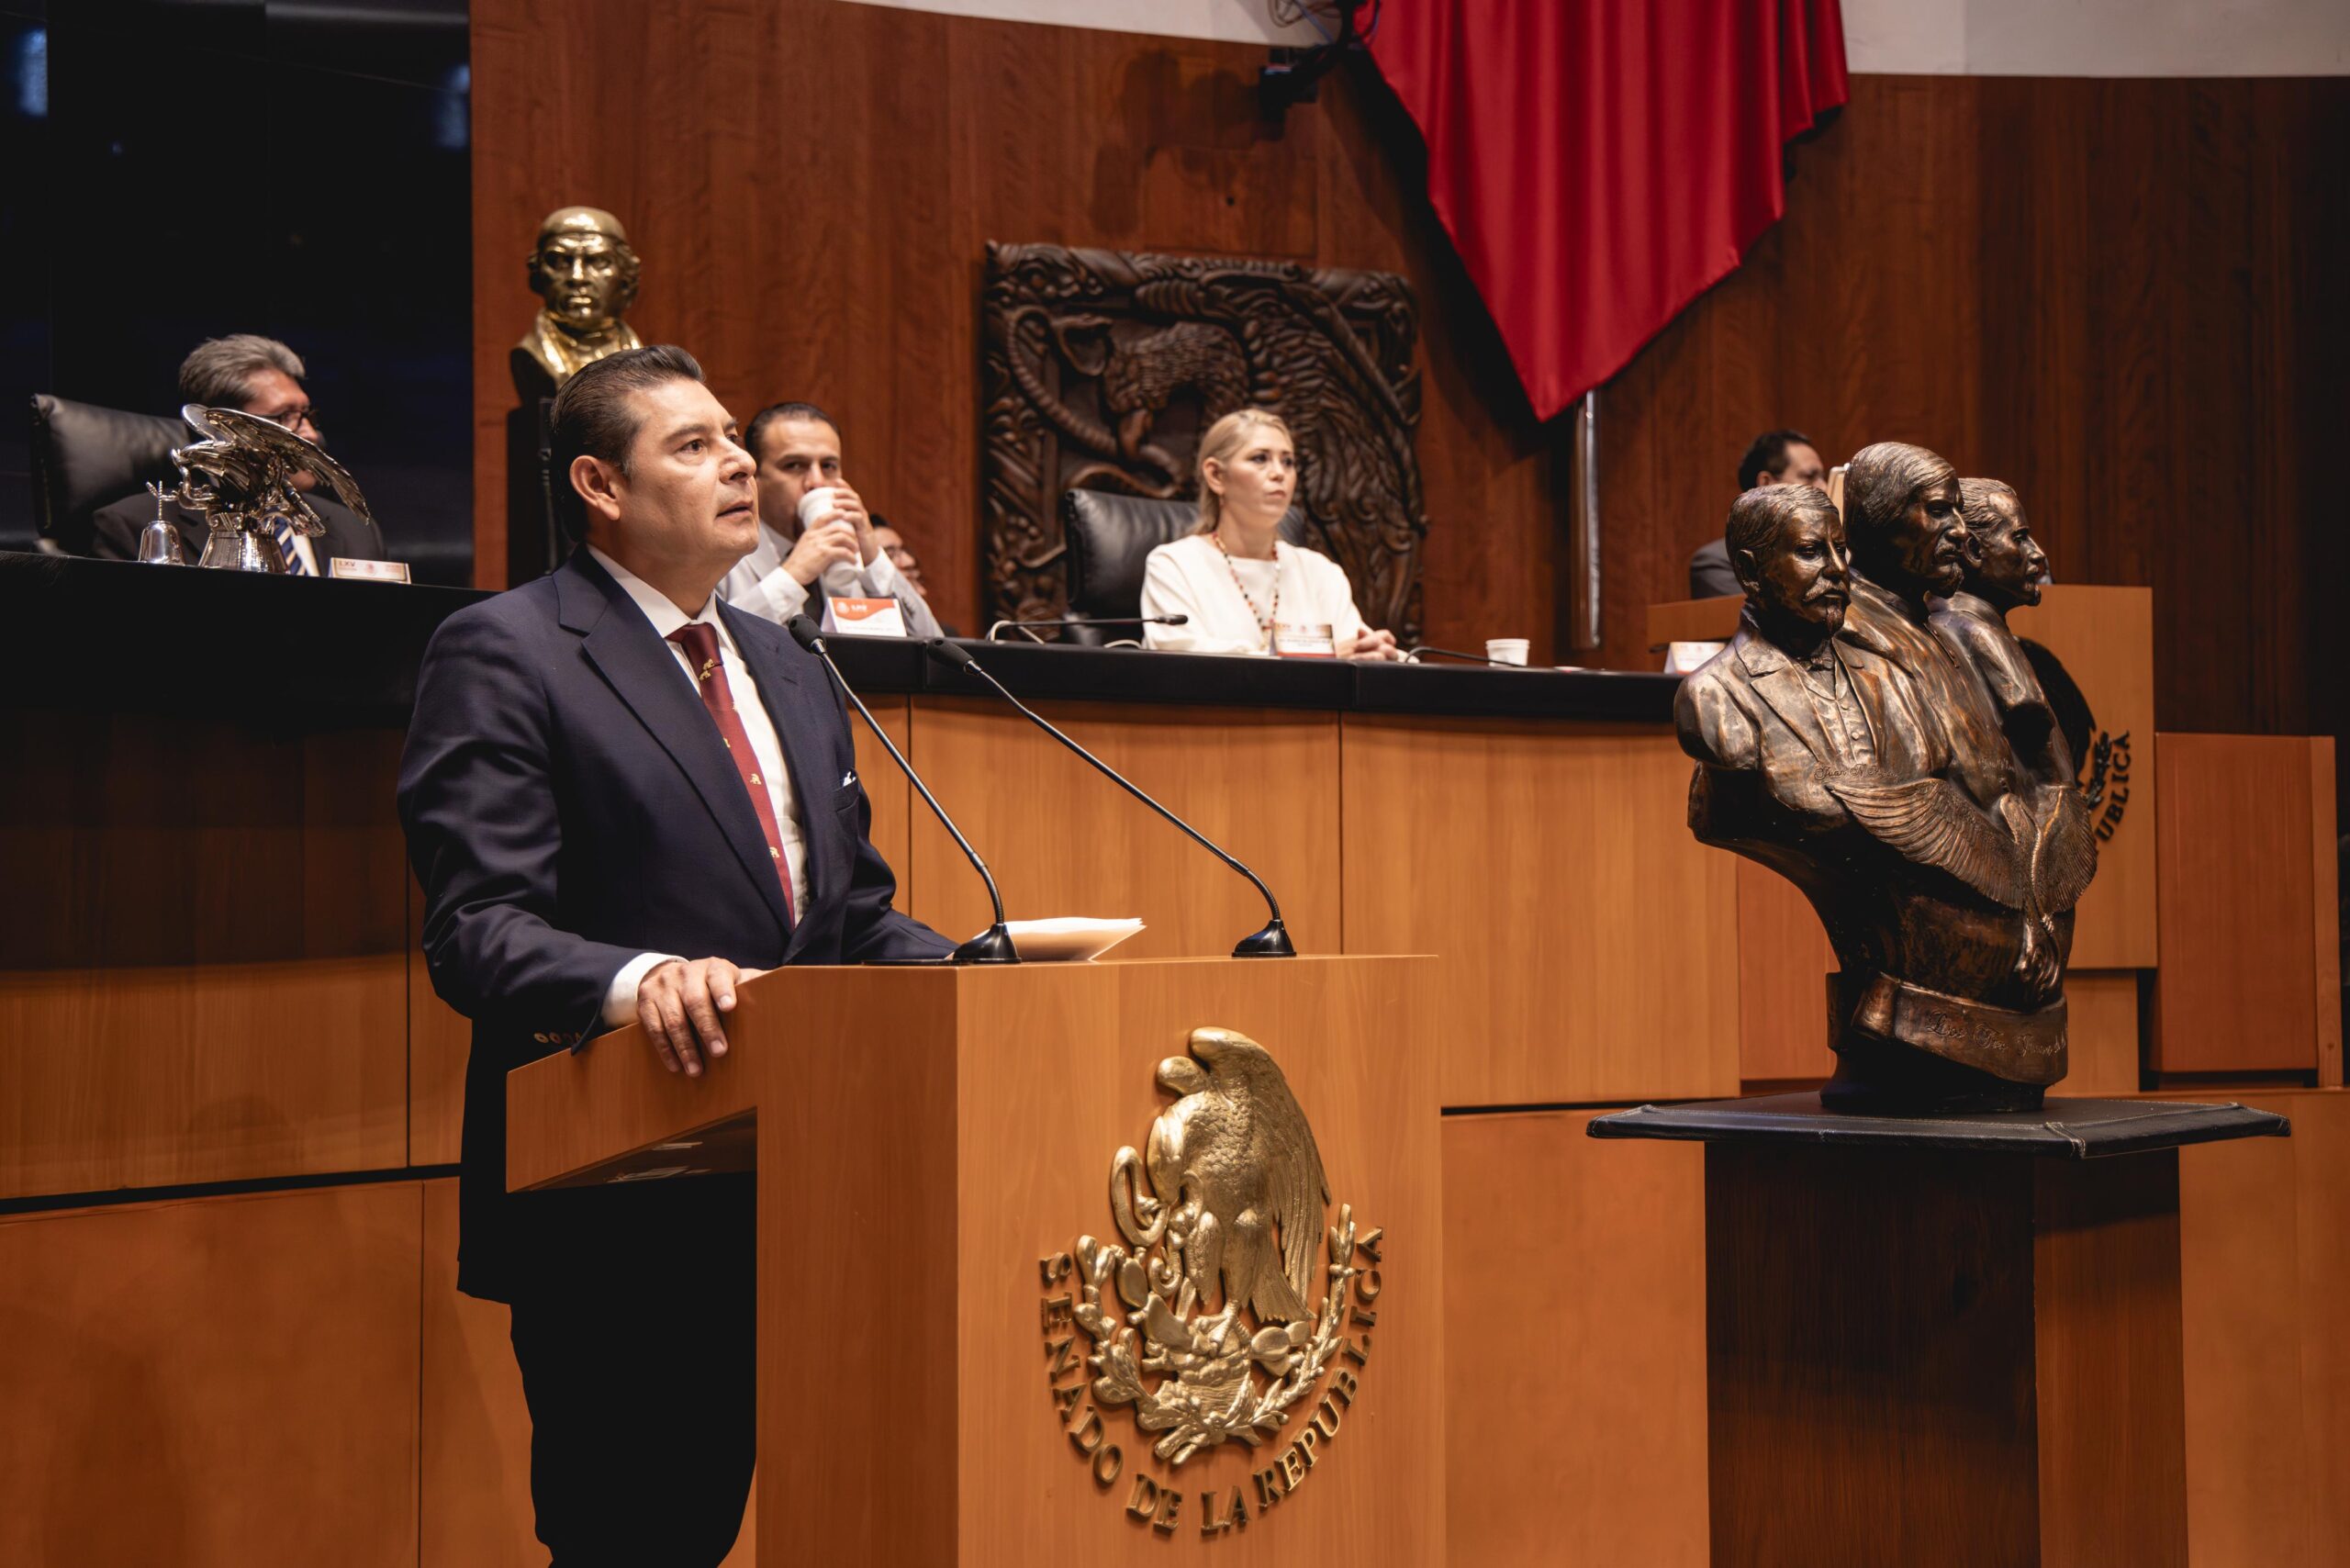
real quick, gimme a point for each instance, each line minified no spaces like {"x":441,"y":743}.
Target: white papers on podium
{"x":863,"y":618}
{"x":1067,"y":939}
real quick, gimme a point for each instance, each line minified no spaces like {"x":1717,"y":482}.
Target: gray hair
{"x":220,"y":373}
{"x":1758,"y":518}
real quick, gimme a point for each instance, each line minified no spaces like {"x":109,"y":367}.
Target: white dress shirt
{"x":1190,"y":576}
{"x":620,"y":999}
{"x":759,"y":584}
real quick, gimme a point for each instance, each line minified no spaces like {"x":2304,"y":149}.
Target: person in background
{"x":1231,"y":575}
{"x":901,"y":556}
{"x":797,"y":449}
{"x":255,"y":375}
{"x":1774,"y":458}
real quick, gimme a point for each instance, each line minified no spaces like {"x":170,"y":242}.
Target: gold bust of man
{"x":582,"y":268}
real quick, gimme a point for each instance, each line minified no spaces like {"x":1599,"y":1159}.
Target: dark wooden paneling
{"x":811,"y":186}
{"x":208,"y":1384}
{"x":2113,"y":293}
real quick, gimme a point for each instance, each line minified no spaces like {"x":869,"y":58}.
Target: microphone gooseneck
{"x":992,"y":945}
{"x":1273,"y":942}
{"x":1414,"y":654}
{"x":1027,"y":627}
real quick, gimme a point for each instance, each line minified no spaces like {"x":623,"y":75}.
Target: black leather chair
{"x":1109,"y":538}
{"x":86,"y":457}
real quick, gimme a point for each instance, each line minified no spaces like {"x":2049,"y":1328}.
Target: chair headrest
{"x":86,"y":457}
{"x":1110,"y":538}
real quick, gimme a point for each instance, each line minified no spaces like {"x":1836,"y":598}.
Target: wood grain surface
{"x":202,"y":970}
{"x":1870,"y":1387}
{"x":1574,"y":1318}
{"x":2239,"y":984}
{"x":2108,"y":1361}
{"x":1590,"y":943}
{"x":1063,"y":840}
{"x":2265,"y":1250}
{"x":212,"y":1384}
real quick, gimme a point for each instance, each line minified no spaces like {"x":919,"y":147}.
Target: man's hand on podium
{"x":679,"y":1003}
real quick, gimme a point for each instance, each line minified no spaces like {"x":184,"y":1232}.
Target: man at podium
{"x":622,"y":796}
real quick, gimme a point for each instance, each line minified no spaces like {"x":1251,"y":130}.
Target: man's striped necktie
{"x":295,"y":565}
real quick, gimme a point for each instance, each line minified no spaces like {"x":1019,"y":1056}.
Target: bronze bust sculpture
{"x":582,"y":269}
{"x":2004,"y":567}
{"x":1847,"y":741}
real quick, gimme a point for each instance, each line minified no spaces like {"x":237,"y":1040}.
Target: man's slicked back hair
{"x":1768,"y":454}
{"x":594,"y":416}
{"x":773,"y":412}
{"x":219,"y":372}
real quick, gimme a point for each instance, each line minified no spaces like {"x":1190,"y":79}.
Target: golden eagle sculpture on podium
{"x":1220,"y":1221}
{"x":584,"y":273}
{"x":1863,"y":734}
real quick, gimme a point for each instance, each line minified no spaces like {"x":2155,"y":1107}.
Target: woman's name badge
{"x":1291,"y":642}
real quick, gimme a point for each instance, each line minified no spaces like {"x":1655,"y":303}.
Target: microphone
{"x":992,"y":945}
{"x":1087,"y":620}
{"x":1413,"y":655}
{"x":1273,"y":942}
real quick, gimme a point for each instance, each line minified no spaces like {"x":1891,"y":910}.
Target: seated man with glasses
{"x":254,"y":375}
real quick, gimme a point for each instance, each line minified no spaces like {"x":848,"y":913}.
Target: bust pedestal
{"x":1944,"y":1340}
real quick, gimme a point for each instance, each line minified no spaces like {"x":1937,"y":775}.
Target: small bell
{"x":159,"y":541}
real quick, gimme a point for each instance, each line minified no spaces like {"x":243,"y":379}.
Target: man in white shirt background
{"x":838,"y":554}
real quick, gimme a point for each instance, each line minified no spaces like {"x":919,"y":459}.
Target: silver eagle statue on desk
{"x":240,"y":478}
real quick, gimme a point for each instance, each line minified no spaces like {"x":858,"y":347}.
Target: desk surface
{"x":312,"y":651}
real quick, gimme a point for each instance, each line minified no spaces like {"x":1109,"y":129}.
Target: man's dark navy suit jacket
{"x":568,"y":806}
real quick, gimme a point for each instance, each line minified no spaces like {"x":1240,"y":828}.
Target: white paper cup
{"x":817,"y":503}
{"x":1507,"y":649}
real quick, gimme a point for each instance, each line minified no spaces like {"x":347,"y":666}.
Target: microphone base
{"x":992,"y":945}
{"x":1270,"y":943}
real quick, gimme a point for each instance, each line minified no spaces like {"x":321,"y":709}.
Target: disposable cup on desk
{"x":1507,"y":649}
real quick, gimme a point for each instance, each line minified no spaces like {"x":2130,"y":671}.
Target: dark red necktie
{"x":700,"y":640}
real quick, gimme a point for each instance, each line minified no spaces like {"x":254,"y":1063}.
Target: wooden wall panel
{"x":827,"y":245}
{"x":1063,"y":840}
{"x":1574,"y":1345}
{"x":1590,"y":943}
{"x":2238,"y":988}
{"x":203,"y":951}
{"x":2101,"y":1030}
{"x":212,"y":1384}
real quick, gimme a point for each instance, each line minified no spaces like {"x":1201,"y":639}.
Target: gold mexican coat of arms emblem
{"x":1202,"y":1316}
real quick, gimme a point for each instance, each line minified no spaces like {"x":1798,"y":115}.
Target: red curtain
{"x":1600,"y":163}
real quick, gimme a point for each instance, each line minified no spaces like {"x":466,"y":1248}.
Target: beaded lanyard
{"x":1264,"y":620}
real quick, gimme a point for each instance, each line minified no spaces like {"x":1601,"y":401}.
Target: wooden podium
{"x":930,"y":1145}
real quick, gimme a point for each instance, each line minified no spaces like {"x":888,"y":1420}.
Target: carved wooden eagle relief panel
{"x":1101,"y":369}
